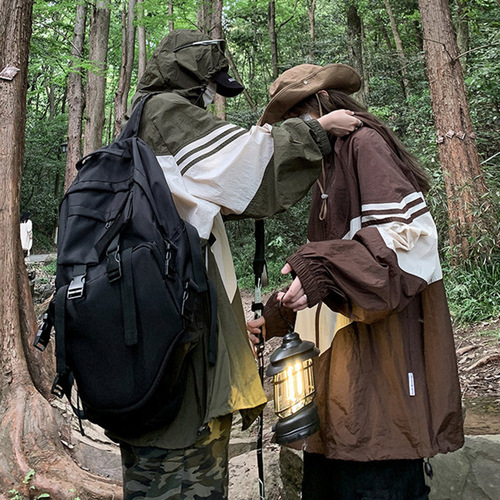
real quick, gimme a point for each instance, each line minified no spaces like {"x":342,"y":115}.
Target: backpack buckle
{"x":113,"y":266}
{"x":170,"y":254}
{"x":43,"y":334}
{"x":75,"y":288}
{"x":188,"y":299}
{"x":57,"y":387}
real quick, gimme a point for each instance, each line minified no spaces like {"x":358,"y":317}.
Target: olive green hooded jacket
{"x":217,"y":169}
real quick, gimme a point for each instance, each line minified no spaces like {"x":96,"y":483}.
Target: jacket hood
{"x":187,"y":71}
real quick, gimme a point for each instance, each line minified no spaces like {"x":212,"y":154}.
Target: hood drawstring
{"x":208,"y":94}
{"x":323,"y":211}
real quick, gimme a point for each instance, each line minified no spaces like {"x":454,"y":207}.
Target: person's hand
{"x":256,"y":329}
{"x":295,"y":297}
{"x":340,"y":122}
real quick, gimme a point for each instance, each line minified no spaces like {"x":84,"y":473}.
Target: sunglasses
{"x":221,"y":44}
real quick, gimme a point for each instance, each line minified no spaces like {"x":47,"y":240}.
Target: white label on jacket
{"x":411,"y":384}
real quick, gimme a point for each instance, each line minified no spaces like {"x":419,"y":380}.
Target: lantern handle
{"x":283,"y":316}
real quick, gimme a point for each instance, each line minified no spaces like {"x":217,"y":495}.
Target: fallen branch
{"x":483,"y":361}
{"x":465,"y":349}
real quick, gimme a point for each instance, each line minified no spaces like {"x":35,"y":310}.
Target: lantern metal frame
{"x":291,"y":367}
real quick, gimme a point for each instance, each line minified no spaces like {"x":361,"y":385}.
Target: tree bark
{"x":311,"y":13}
{"x":141,"y":35}
{"x":210,"y":23}
{"x":355,"y":47}
{"x":28,"y":429}
{"x":468,"y":207}
{"x":271,"y":25}
{"x":236,"y":74}
{"x":128,"y":53}
{"x":171,"y":17}
{"x":405,"y":85}
{"x":96,"y":78}
{"x":462,"y":24}
{"x":381,"y":25}
{"x":219,"y":100}
{"x":76,"y":101}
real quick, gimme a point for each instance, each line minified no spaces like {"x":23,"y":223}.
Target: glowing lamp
{"x":291,"y":367}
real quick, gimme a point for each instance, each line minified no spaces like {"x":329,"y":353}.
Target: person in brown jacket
{"x":368,"y":291}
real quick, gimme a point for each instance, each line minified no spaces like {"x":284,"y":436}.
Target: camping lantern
{"x":291,"y":367}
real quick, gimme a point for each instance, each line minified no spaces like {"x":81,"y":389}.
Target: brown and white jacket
{"x":387,"y":384}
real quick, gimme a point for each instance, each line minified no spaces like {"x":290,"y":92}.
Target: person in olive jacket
{"x":369,"y":292}
{"x":214,"y":169}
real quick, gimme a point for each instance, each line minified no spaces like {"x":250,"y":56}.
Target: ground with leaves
{"x":478,"y":353}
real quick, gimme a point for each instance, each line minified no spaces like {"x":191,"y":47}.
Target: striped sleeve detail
{"x":217,"y":146}
{"x":411,"y":207}
{"x":229,"y":173}
{"x":220,"y":173}
{"x":207,"y":145}
{"x":408,"y":229}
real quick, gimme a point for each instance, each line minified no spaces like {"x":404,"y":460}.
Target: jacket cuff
{"x":309,"y":282}
{"x":320,"y":136}
{"x":279,"y":320}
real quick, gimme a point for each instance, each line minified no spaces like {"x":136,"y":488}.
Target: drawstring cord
{"x":321,"y":183}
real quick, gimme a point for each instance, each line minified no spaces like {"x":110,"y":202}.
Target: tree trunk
{"x":465,"y":184}
{"x":462,"y":24}
{"x":219,"y":100}
{"x":311,"y":12}
{"x":75,"y":97}
{"x":405,"y":85}
{"x":128,"y":52}
{"x":385,"y":35}
{"x":271,"y":25}
{"x":51,"y":99}
{"x":236,"y":74}
{"x":171,"y":17}
{"x":210,"y":23}
{"x":141,"y":35}
{"x":96,"y":78}
{"x":203,"y":16}
{"x":355,"y":47}
{"x":28,"y":430}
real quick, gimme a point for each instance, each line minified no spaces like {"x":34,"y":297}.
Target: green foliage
{"x":16,"y":495}
{"x":43,"y":177}
{"x":473,"y":291}
{"x":50,"y":268}
{"x":495,"y":333}
{"x":284,"y":233}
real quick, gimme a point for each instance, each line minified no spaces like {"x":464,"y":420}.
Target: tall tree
{"x":405,"y":85}
{"x":465,"y":184}
{"x":28,"y":428}
{"x":95,"y":96}
{"x":76,"y":101}
{"x":127,"y":65}
{"x":271,"y":26}
{"x":171,"y":16}
{"x":141,"y":35}
{"x":210,"y":22}
{"x":311,"y":12}
{"x":355,"y":48}
{"x":462,"y":26}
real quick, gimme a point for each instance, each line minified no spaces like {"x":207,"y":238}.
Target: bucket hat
{"x":300,"y":82}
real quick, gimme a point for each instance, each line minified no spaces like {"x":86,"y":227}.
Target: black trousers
{"x":326,"y":479}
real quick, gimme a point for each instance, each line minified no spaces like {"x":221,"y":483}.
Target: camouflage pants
{"x":197,"y":472}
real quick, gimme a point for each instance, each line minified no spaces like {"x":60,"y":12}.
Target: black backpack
{"x":132,"y":295}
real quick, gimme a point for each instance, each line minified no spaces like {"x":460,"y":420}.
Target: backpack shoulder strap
{"x":131,"y":128}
